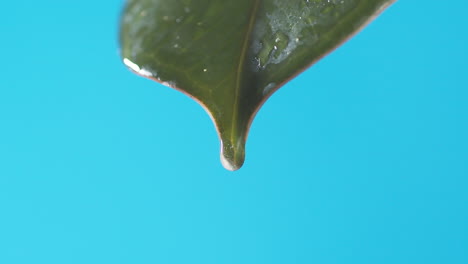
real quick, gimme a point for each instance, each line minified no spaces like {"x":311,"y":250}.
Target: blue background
{"x":361,"y":159}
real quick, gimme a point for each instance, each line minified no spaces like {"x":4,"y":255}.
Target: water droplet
{"x":268,"y":88}
{"x":131,"y":65}
{"x":281,"y":44}
{"x":140,"y":70}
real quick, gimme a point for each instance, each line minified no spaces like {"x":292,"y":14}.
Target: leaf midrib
{"x":242,"y":57}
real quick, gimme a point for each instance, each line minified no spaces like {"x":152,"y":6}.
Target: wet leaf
{"x":231,"y":55}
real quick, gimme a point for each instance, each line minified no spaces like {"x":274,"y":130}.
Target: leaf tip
{"x":232,"y":156}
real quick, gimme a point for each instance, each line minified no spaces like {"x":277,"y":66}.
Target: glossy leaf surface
{"x":231,"y":55}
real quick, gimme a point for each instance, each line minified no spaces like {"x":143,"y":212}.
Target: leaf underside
{"x":231,"y":55}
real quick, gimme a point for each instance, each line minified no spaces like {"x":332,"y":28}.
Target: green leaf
{"x":231,"y":55}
